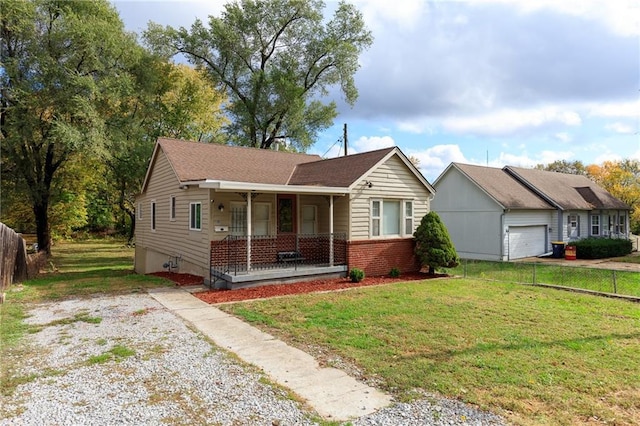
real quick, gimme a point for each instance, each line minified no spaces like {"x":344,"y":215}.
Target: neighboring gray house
{"x":242,"y":215}
{"x":512,"y":213}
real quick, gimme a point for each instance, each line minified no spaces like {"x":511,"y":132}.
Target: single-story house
{"x":239,"y":216}
{"x":512,"y":213}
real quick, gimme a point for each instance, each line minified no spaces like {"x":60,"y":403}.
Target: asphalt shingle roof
{"x":570,"y":192}
{"x":507,"y":191}
{"x":194,"y":161}
{"x":520,"y":188}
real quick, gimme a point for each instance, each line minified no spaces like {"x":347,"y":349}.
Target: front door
{"x":286,"y":223}
{"x":287,"y":214}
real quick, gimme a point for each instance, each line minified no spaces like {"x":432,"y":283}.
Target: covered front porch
{"x":244,"y":261}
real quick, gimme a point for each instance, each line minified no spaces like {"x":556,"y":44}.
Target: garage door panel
{"x":526,"y":241}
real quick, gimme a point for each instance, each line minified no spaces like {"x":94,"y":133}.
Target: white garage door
{"x":526,"y":241}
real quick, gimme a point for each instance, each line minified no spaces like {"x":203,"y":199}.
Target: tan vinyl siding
{"x":390,"y":180}
{"x":173,"y":237}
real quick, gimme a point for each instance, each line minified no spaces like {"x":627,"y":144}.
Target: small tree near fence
{"x":433,"y":244}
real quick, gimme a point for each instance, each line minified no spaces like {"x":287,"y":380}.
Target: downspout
{"x":502,"y":235}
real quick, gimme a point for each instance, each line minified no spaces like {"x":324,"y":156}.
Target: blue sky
{"x":497,"y":82}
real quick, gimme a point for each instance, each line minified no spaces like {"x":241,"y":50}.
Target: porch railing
{"x":230,"y":255}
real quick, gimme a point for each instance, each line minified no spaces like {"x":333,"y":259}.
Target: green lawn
{"x":601,"y":280}
{"x":534,"y":355}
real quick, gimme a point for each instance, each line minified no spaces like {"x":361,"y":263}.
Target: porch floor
{"x":256,"y":278}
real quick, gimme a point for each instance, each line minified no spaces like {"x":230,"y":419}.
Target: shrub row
{"x":600,"y":248}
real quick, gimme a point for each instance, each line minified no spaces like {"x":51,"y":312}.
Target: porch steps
{"x":331,"y":392}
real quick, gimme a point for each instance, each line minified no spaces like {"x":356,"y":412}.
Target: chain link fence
{"x":606,"y":281}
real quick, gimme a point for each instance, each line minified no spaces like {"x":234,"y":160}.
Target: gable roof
{"x":505,"y":190}
{"x":340,"y":171}
{"x":194,"y":161}
{"x":567,"y":191}
{"x":520,"y":188}
{"x":227,"y":167}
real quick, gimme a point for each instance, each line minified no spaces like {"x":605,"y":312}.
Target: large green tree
{"x":59,"y":61}
{"x":161,"y":99}
{"x":276,"y":59}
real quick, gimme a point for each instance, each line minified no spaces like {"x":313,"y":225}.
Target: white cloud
{"x":434,"y":160}
{"x":621,"y":128}
{"x":370,"y":143}
{"x":616,"y":109}
{"x":508,"y":121}
{"x":405,"y":14}
{"x":526,"y":160}
{"x":620,"y":16}
{"x":609,"y":156}
{"x":563,"y":137}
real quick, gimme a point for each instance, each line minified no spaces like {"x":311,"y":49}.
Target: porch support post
{"x":249,"y":231}
{"x":331,"y":230}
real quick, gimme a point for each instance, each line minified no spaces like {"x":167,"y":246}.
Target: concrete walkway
{"x":331,"y":392}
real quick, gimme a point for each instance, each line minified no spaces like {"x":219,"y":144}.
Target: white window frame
{"x":570,"y":228}
{"x":408,"y":226}
{"x":376,"y":222}
{"x":622,"y":224}
{"x":376,"y":219}
{"x":172,"y":208}
{"x":314,"y":222}
{"x":597,"y":225}
{"x":195,"y":208}
{"x":255,"y":221}
{"x":153,"y":215}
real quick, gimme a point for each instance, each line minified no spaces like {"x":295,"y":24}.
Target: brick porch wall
{"x":377,"y":257}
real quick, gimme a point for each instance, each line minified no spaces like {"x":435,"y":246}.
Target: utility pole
{"x":345,"y":139}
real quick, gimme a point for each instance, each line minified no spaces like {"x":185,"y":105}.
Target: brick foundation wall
{"x":377,"y":257}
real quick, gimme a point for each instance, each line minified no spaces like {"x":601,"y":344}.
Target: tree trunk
{"x":40,"y":210}
{"x":132,"y":228}
{"x":432,"y":270}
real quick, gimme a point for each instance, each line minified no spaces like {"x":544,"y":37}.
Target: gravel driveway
{"x":126,"y":360}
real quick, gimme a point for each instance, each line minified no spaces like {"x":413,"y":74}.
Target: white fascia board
{"x":221,"y":185}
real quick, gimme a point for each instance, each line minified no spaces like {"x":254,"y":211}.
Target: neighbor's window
{"x":572,"y":226}
{"x":153,"y":215}
{"x":595,"y":225}
{"x":195,"y":216}
{"x":622,"y":224}
{"x":172,"y":208}
{"x":309,"y":221}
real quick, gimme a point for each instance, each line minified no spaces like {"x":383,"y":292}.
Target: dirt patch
{"x":275,"y":290}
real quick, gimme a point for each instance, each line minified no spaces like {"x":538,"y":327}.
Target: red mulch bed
{"x":179,"y":279}
{"x":274,"y":290}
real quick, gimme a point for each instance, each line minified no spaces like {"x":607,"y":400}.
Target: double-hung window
{"x":595,"y":225}
{"x":391,"y":218}
{"x":195,"y":216}
{"x":309,"y":214}
{"x":260,"y":219}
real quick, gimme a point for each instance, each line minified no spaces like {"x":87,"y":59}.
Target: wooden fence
{"x":15,"y":264}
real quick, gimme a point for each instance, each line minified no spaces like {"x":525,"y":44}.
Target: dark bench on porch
{"x":290,"y":256}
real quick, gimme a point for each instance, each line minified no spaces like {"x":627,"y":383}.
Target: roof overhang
{"x":230,"y":186}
